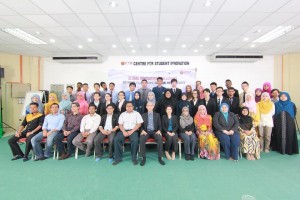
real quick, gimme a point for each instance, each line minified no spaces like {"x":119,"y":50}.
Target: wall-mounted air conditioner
{"x":226,"y":57}
{"x":78,"y":59}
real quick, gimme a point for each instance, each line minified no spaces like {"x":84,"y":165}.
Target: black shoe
{"x":135,"y":162}
{"x":36,"y":159}
{"x":17,"y":157}
{"x":187,"y":157}
{"x":25,"y":159}
{"x":192,"y":158}
{"x":116,"y":162}
{"x":143,"y":162}
{"x":161,"y":161}
{"x":43,"y":158}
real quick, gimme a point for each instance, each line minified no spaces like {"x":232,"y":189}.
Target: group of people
{"x":245,"y":122}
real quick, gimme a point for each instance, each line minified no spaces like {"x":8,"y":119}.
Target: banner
{"x":122,"y":77}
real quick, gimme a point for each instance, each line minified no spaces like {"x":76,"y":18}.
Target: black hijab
{"x":246,"y":122}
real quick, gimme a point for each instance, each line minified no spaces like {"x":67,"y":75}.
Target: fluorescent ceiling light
{"x":18,"y":33}
{"x":275,"y":33}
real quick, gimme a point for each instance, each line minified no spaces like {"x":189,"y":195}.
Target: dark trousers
{"x":230,"y":144}
{"x":98,"y":144}
{"x":15,"y":148}
{"x":119,"y":142}
{"x":60,"y":145}
{"x":158,"y":139}
{"x":171,"y":141}
{"x":189,"y":142}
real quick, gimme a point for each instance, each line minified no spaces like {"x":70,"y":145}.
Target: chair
{"x":76,"y":150}
{"x":23,"y":141}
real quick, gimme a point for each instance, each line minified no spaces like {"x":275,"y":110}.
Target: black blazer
{"x":177,"y":94}
{"x":210,"y":107}
{"x":114,"y":119}
{"x":224,"y":100}
{"x":103,"y":109}
{"x":236,"y":94}
{"x":194,"y":107}
{"x":211,"y":95}
{"x":234,"y":105}
{"x":165,"y":123}
{"x":123,"y":108}
{"x":220,"y":123}
{"x":156,"y":122}
{"x":98,"y":110}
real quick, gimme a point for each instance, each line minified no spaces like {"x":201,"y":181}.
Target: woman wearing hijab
{"x":170,"y":127}
{"x":200,"y":89}
{"x":284,"y":137}
{"x":258,"y":92}
{"x":187,"y":133}
{"x":83,"y":104}
{"x":65,"y":104}
{"x":189,"y":92}
{"x":249,"y":141}
{"x":253,"y":108}
{"x":267,"y":88}
{"x":138,"y":104}
{"x":52,"y":100}
{"x":150,"y":98}
{"x":167,"y":100}
{"x":35,"y":99}
{"x":226,"y":128}
{"x":208,"y":143}
{"x":183,"y":103}
{"x":267,"y":110}
{"x":195,"y":103}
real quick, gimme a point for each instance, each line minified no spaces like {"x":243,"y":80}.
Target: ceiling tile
{"x":198,"y":19}
{"x":222,"y":19}
{"x":93,"y":19}
{"x":125,"y":31}
{"x":42,"y":20}
{"x":192,"y":30}
{"x":172,"y":19}
{"x":237,"y":5}
{"x":267,"y":5}
{"x":143,"y":6}
{"x":146,"y":19}
{"x":198,"y":6}
{"x":102,"y":31}
{"x":67,"y":20}
{"x":89,"y":6}
{"x":122,"y":6}
{"x":119,"y":19}
{"x":53,"y":6}
{"x":24,"y":7}
{"x":147,"y":30}
{"x":251,"y":19}
{"x":175,"y":6}
{"x":169,"y":30}
{"x":18,"y":21}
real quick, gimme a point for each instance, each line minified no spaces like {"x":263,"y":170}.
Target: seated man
{"x":70,"y":130}
{"x":151,"y":127}
{"x":129,"y":123}
{"x":88,"y":129}
{"x":52,"y":125}
{"x":108,"y":127}
{"x":30,"y":126}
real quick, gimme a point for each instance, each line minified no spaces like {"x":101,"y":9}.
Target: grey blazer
{"x":220,"y":123}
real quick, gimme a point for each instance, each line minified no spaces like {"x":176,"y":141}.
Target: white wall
{"x":256,"y":73}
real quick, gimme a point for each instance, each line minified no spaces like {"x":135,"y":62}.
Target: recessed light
{"x":38,"y":33}
{"x":206,"y":39}
{"x":114,"y":46}
{"x":52,"y":40}
{"x":183,"y":46}
{"x":218,"y":45}
{"x":167,"y":39}
{"x":148,"y":45}
{"x":80,"y":46}
{"x":201,"y":45}
{"x":196,"y":50}
{"x":90,"y":39}
{"x":128,"y":39}
{"x":113,"y":4}
{"x":207,"y":3}
{"x":246,"y":39}
{"x":131,"y":46}
{"x":19,"y":33}
{"x":252,"y":45}
{"x":164,"y":51}
{"x":133,"y":51}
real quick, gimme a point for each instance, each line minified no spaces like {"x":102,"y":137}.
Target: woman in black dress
{"x":284,"y":137}
{"x":167,"y":100}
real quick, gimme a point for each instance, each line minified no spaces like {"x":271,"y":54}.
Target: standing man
{"x":234,"y":101}
{"x":97,"y":89}
{"x":108,"y":128}
{"x":52,"y":126}
{"x":245,"y":88}
{"x":103,"y":86}
{"x":159,"y":90}
{"x":129,"y":124}
{"x":176,"y":92}
{"x":228,"y":84}
{"x":220,"y":99}
{"x":70,"y":130}
{"x":79,"y":86}
{"x":30,"y":126}
{"x":70,"y":92}
{"x":113,"y":92}
{"x":144,"y":90}
{"x":129,"y":94}
{"x":151,"y":128}
{"x":87,"y":94}
{"x":213,"y":88}
{"x":88,"y":129}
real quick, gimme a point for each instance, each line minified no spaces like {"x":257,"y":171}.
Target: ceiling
{"x":149,"y":22}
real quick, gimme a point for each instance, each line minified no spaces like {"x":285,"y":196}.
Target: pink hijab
{"x":250,"y":104}
{"x":201,"y":93}
{"x":269,"y":87}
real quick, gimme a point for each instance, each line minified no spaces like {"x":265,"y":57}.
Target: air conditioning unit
{"x":79,"y":59}
{"x":227,"y":57}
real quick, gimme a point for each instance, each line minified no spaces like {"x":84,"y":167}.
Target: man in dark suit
{"x":220,"y":99}
{"x":234,"y":101}
{"x":213,"y":87}
{"x":228,"y":84}
{"x":176,"y":92}
{"x":151,"y":127}
{"x":209,"y":103}
{"x":108,"y":127}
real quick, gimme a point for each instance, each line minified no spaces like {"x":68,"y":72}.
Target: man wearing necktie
{"x":144,"y":90}
{"x":129,"y":94}
{"x":220,"y":99}
{"x":176,"y":92}
{"x":213,"y":87}
{"x":245,"y":87}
